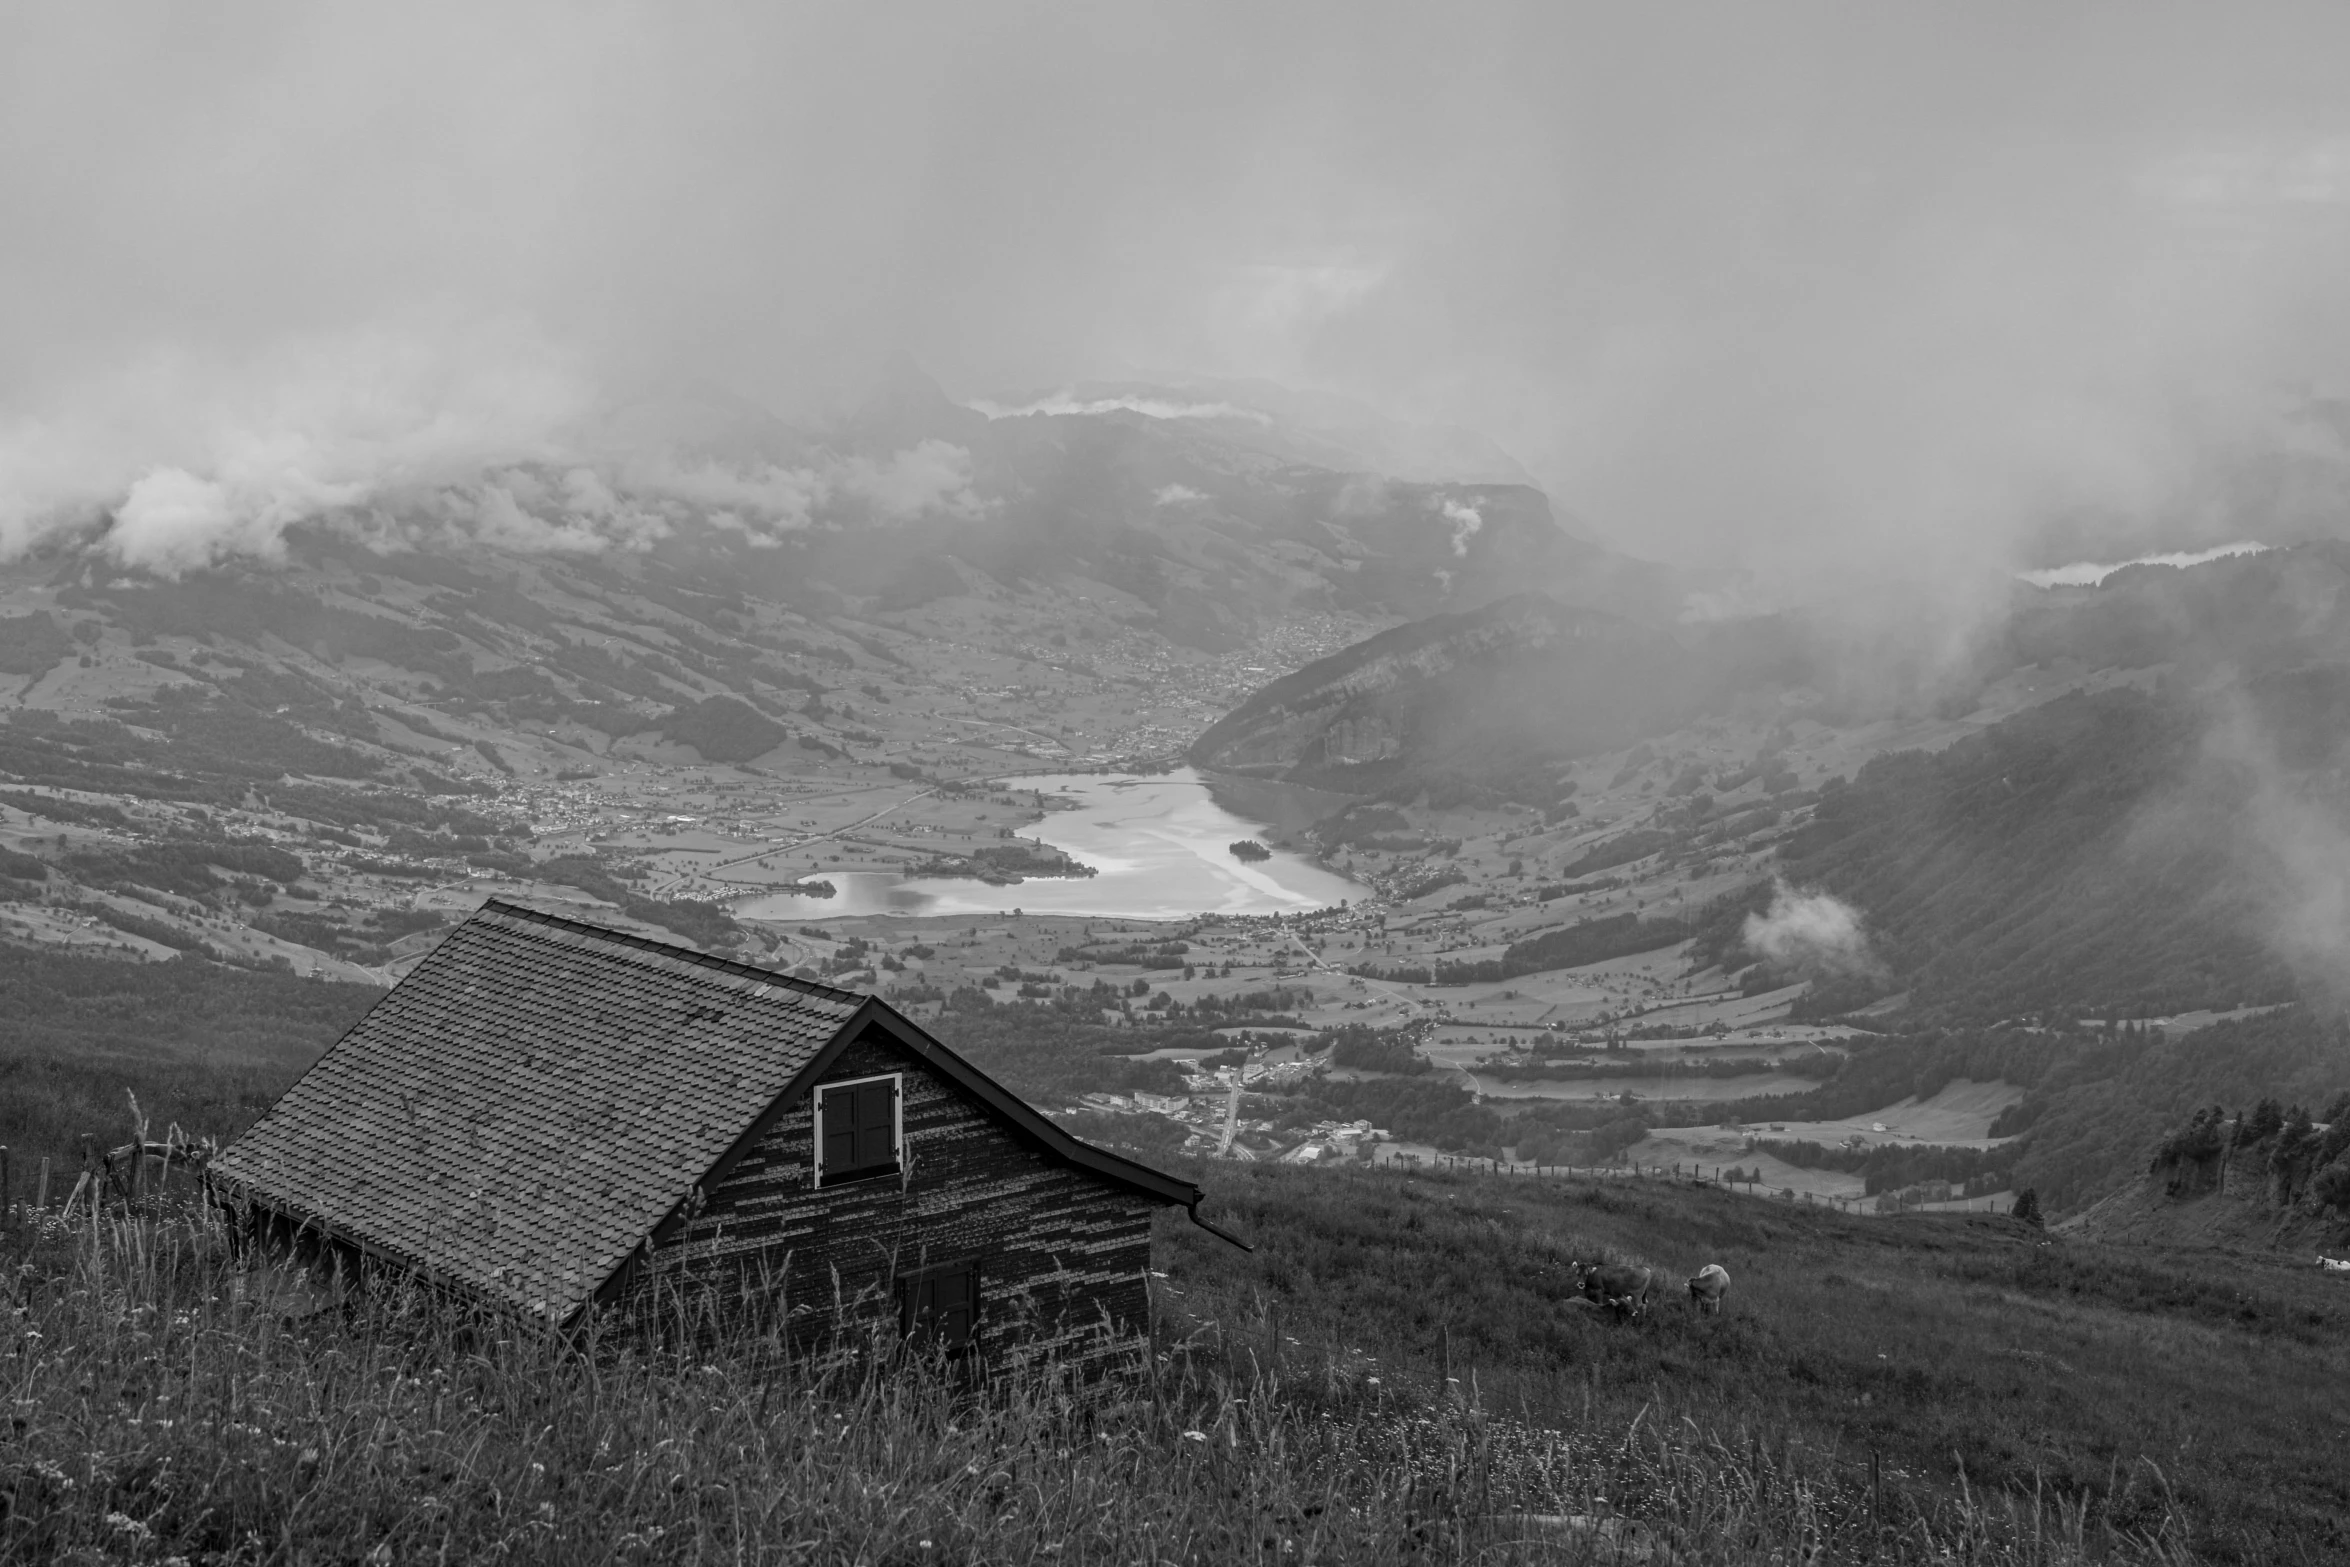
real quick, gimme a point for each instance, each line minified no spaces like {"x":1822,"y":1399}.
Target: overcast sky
{"x":1738,"y":281}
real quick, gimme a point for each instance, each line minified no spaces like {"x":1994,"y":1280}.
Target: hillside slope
{"x":2237,"y":1212}
{"x":1523,"y":679}
{"x":2090,"y":855}
{"x":1895,"y":1336}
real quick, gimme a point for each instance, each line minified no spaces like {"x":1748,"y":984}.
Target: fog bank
{"x":1789,"y":287}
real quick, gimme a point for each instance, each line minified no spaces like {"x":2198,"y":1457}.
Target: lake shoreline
{"x":1155,"y":847}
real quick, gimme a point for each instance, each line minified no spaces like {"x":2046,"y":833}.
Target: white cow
{"x":1708,"y":1287}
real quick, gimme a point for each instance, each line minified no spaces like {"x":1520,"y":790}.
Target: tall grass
{"x":170,"y":1401}
{"x":1957,"y":1353}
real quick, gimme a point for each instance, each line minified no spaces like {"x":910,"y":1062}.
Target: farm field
{"x":1959,"y":1116}
{"x":1661,"y":1087}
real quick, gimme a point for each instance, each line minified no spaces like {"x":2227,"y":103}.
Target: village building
{"x":561,"y":1120}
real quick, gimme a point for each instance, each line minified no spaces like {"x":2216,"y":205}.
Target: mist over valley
{"x":1498,"y":660}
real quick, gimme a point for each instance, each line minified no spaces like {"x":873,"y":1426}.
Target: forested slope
{"x":2091,"y":856}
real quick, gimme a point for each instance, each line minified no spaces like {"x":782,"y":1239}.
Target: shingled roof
{"x":540,"y":1094}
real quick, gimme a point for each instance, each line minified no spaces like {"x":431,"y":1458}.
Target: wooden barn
{"x":556,"y":1118}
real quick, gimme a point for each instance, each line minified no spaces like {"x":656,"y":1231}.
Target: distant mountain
{"x":2285,"y":480}
{"x":1320,"y":429}
{"x":2130,"y":852}
{"x":1213,"y":536}
{"x":1205,"y":529}
{"x":2090,"y":857}
{"x":2170,"y":832}
{"x":1493,"y":695}
{"x":1534,"y":676}
{"x":903,"y":408}
{"x":694,"y":420}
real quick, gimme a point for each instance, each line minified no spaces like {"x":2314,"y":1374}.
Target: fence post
{"x":41,"y":1194}
{"x":90,"y":1170}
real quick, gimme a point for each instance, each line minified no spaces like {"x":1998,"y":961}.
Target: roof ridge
{"x":672,"y":949}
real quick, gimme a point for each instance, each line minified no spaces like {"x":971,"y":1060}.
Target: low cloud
{"x":1176,"y":495}
{"x":410,"y":432}
{"x":2087,"y":574}
{"x":1811,"y":931}
{"x":1465,"y":520}
{"x":2296,"y":818}
{"x":186,"y":458}
{"x":934,"y":476}
{"x":1734,"y":600}
{"x":1149,"y":407}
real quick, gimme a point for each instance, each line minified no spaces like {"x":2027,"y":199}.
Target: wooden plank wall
{"x":1063,"y":1255}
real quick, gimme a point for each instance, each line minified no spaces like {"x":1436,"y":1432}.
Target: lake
{"x":1160,"y":848}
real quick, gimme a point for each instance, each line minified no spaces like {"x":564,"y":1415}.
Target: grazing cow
{"x":1708,"y":1287}
{"x":1620,"y":1287}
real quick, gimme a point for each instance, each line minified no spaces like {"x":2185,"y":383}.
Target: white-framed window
{"x":860,"y":1127}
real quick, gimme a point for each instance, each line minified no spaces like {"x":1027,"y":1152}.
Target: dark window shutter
{"x":840,"y":1131}
{"x":955,"y":1305}
{"x":860,"y":1123}
{"x":877,"y":1124}
{"x":942,"y":1308}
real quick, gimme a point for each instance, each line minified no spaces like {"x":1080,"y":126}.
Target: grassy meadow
{"x":170,"y":1402}
{"x":1397,"y":1373}
{"x":1957,"y":1354}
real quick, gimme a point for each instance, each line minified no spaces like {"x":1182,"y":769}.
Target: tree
{"x":2027,"y":1206}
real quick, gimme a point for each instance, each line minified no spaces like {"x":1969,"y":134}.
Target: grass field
{"x":1962,"y":1351}
{"x":1394,"y":1375}
{"x":1959,"y":1116}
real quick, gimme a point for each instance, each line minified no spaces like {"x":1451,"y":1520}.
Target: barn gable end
{"x":1058,"y":1253}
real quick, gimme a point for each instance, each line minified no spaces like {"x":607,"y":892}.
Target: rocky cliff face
{"x":2228,"y":1190}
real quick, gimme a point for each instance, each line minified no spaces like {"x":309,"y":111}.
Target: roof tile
{"x":546,"y":1090}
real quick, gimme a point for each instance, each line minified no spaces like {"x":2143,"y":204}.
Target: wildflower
{"x":1195,"y":1436}
{"x":124,"y":1523}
